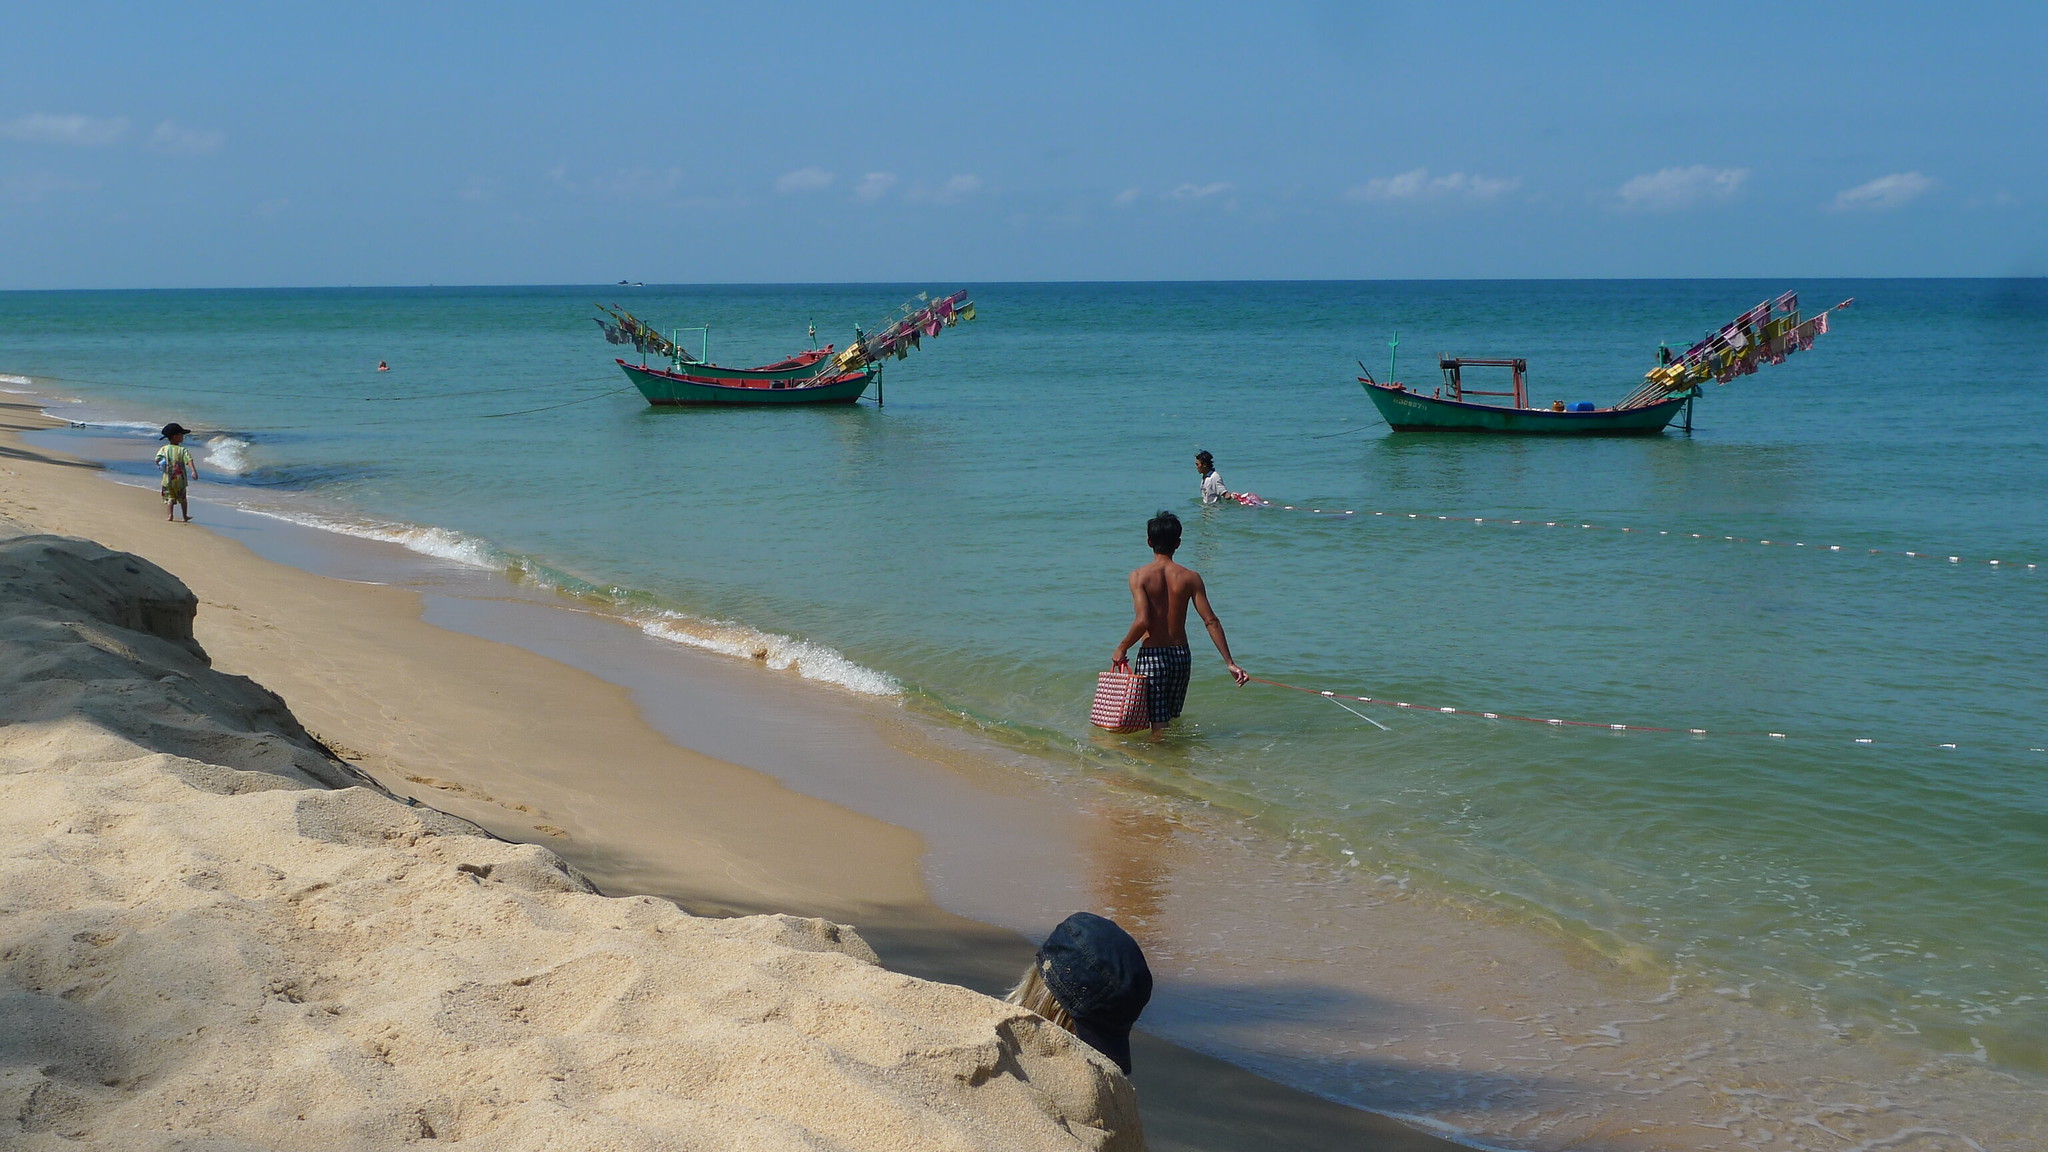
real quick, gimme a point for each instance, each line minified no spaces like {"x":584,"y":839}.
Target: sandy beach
{"x":531,"y":750}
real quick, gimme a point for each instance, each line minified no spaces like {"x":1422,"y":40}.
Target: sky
{"x":227,"y":145}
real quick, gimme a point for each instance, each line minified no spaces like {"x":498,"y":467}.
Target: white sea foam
{"x":7,"y":379}
{"x":810,"y":660}
{"x":427,"y":541}
{"x":135,"y":426}
{"x":228,"y":454}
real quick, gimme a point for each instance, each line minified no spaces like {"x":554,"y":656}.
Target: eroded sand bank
{"x":213,"y":930}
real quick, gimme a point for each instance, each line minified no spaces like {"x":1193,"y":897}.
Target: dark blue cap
{"x":1100,"y":977}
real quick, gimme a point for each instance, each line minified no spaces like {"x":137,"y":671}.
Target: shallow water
{"x":964,"y":547}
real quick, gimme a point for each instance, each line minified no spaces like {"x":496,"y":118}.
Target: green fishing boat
{"x":663,"y":387}
{"x":813,"y":376}
{"x":1766,"y":334}
{"x":1407,"y":411}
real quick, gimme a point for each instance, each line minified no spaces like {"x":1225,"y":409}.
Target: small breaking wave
{"x":808,"y":659}
{"x":8,"y":380}
{"x":229,"y":454}
{"x":439,"y":543}
{"x":128,"y":427}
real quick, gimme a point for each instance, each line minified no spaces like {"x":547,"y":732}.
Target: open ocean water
{"x":1883,"y":865}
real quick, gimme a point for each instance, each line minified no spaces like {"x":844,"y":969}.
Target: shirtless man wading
{"x":1160,"y":593}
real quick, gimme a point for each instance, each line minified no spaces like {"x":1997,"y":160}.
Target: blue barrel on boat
{"x":1583,"y":406}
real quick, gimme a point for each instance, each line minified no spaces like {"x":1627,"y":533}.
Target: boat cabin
{"x":1454,"y":379}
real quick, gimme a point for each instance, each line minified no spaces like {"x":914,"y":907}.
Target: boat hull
{"x":1407,"y":411}
{"x":664,"y":388}
{"x":801,"y":366}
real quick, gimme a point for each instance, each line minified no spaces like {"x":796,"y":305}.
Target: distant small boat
{"x":1766,"y":334}
{"x":814,"y":376}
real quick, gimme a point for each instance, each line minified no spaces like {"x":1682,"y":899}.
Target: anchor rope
{"x":265,"y":393}
{"x":360,"y":423}
{"x":564,"y":404}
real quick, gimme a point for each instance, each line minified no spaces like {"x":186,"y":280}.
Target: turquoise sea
{"x":1883,"y":864}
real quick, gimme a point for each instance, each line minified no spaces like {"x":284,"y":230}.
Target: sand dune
{"x":215,"y":935}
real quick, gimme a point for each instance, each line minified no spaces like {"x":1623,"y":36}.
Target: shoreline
{"x":1582,"y":1018}
{"x":215,"y":929}
{"x":395,"y":694}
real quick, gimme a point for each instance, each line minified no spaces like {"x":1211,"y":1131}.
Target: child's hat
{"x":175,"y":429}
{"x":1099,"y":975}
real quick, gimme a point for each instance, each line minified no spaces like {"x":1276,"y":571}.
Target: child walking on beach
{"x":174,"y":460}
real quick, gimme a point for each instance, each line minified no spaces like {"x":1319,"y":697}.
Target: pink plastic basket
{"x":1120,"y":703}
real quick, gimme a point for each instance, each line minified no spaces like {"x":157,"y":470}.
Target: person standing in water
{"x":1213,"y":490}
{"x":1160,"y":594}
{"x":175,"y":461}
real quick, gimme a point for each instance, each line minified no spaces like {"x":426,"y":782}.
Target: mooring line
{"x":564,"y":404}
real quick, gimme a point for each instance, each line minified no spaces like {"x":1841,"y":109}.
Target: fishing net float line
{"x":1339,"y":698}
{"x":1502,"y":521}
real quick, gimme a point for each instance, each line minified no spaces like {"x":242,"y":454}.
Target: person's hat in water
{"x":1100,"y":977}
{"x":174,"y":429}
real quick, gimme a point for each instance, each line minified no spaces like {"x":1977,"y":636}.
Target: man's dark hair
{"x":1204,"y":457}
{"x":1163,"y":533}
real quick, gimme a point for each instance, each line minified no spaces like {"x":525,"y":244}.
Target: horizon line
{"x":1106,"y":281}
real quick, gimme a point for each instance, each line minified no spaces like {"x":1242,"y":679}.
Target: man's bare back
{"x":1161,"y":592}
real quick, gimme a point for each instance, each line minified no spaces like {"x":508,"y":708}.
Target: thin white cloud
{"x":1998,"y":199}
{"x":620,"y":183}
{"x":1127,"y":197}
{"x":1670,"y":189}
{"x":637,"y":183}
{"x":67,"y":128}
{"x":1201,"y":191}
{"x":1884,"y":193}
{"x":35,"y":186}
{"x":1418,"y":185}
{"x":175,"y":140}
{"x":955,"y":189}
{"x":804,"y":180}
{"x":874,"y":186}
